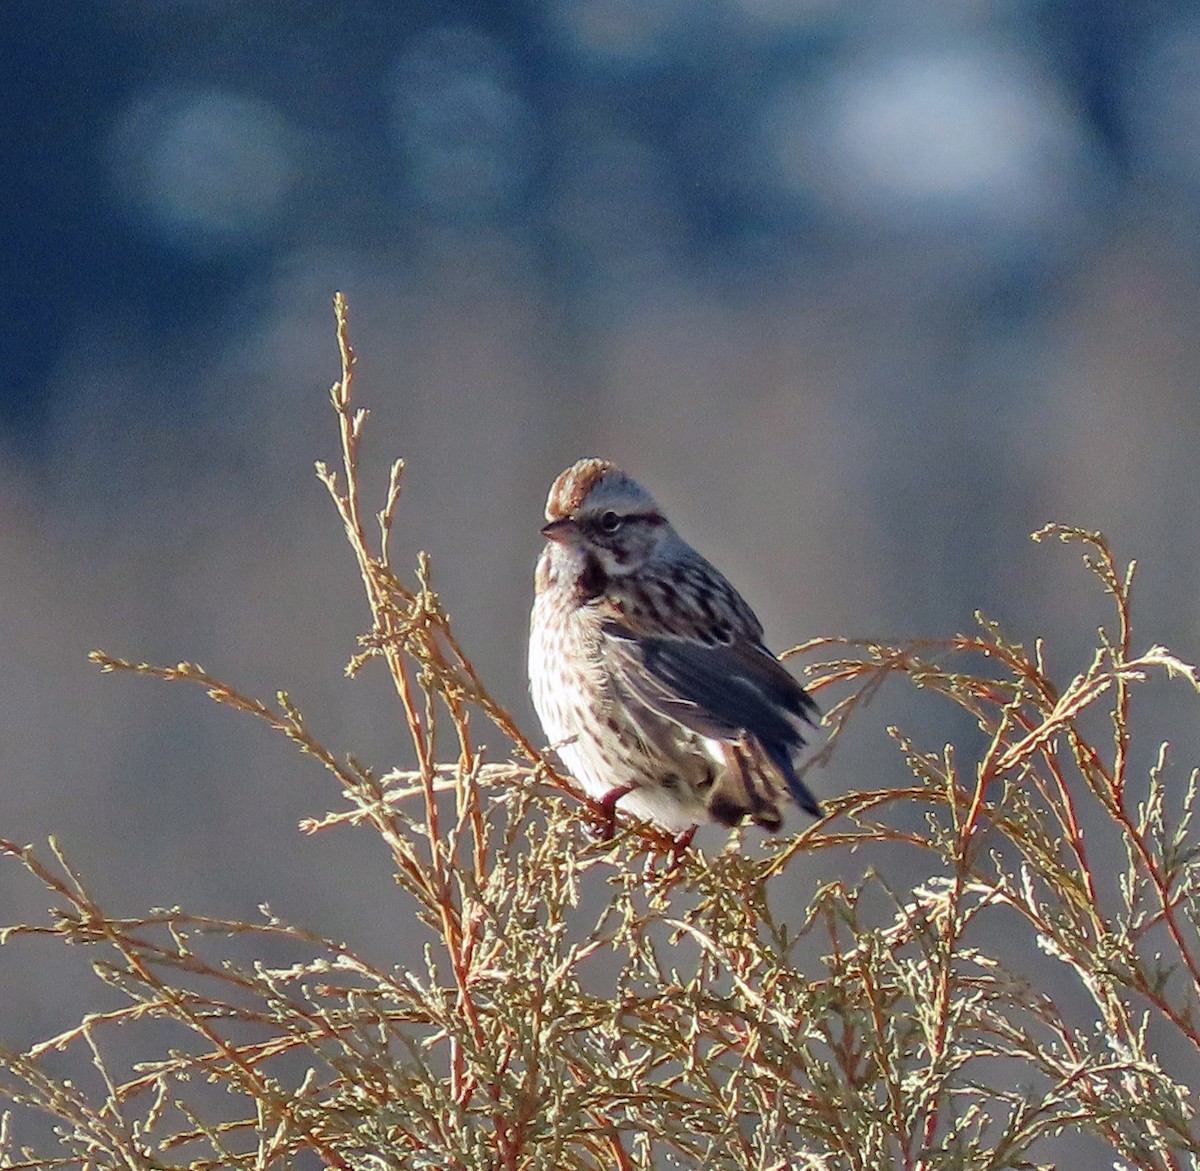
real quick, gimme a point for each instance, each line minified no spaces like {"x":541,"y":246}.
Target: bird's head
{"x":595,"y":512}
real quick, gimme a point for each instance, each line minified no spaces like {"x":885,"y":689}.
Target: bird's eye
{"x":610,"y":522}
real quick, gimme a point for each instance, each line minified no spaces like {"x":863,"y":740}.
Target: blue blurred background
{"x":865,"y":292}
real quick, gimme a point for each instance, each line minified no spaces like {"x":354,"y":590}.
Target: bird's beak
{"x":562,"y":530}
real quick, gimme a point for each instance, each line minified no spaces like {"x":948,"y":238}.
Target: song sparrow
{"x":648,"y":670}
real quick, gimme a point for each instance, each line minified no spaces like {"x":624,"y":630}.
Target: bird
{"x":648,"y":670}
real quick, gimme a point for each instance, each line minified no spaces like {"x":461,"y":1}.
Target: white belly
{"x":573,"y":694}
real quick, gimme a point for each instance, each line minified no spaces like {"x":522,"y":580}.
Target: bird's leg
{"x":608,"y":807}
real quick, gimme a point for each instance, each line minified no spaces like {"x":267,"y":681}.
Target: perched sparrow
{"x":648,"y":670}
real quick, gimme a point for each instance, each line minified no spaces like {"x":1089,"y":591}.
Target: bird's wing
{"x":722,"y":692}
{"x":687,"y":645}
{"x":719,"y":691}
{"x":690,"y":645}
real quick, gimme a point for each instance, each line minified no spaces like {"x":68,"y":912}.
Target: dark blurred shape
{"x":64,"y":67}
{"x":1162,"y":105}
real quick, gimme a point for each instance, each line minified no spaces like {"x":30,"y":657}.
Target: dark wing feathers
{"x":782,"y":759}
{"x":719,"y":691}
{"x":742,"y":687}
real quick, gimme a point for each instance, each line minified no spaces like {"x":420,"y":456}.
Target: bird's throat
{"x":592,"y":580}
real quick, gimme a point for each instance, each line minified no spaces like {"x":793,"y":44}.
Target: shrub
{"x":687,"y":1022}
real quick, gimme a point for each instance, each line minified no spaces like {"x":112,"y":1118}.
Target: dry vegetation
{"x":877,"y":1028}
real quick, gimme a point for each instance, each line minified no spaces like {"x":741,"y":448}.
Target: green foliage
{"x":684,"y":1022}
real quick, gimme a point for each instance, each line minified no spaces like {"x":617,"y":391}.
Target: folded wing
{"x":721,"y":691}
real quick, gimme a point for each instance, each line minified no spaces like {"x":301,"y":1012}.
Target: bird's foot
{"x":608,"y":807}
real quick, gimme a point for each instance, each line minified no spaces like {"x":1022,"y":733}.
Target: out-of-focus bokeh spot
{"x":936,"y":139}
{"x":1163,"y":104}
{"x":466,"y":137}
{"x":202,"y":169}
{"x":617,"y":32}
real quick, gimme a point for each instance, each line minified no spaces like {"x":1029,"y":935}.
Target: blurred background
{"x":864,"y":292}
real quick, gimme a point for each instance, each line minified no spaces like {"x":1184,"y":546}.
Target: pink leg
{"x":608,"y":807}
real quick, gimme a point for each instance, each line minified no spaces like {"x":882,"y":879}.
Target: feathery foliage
{"x":687,"y":1023}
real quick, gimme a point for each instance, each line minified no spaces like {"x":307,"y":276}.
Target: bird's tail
{"x":781,"y":757}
